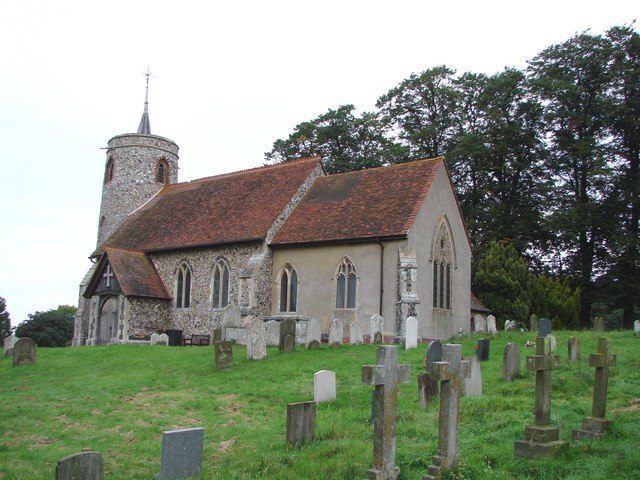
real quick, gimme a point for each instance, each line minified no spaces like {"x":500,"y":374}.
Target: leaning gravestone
{"x":287,"y":341}
{"x":596,"y":425}
{"x":483,"y":349}
{"x":223,"y":353}
{"x":336,"y":332}
{"x":324,"y":386}
{"x":273,"y":333}
{"x":598,"y":324}
{"x":377,"y":324}
{"x":9,"y":342}
{"x":385,"y":375}
{"x":491,"y":325}
{"x":544,"y":327}
{"x":411,"y":333}
{"x":510,"y":362}
{"x":217,"y":335}
{"x":80,"y":466}
{"x":472,"y":386}
{"x":355,"y":333}
{"x":256,"y":339}
{"x":573,"y":346}
{"x":24,"y":352}
{"x":181,"y":454}
{"x":542,"y":438}
{"x":450,"y":372}
{"x":301,"y":423}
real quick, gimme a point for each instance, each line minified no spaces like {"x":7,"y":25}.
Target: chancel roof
{"x":369,"y":204}
{"x":231,"y":208}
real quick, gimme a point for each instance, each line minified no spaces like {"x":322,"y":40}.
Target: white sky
{"x":229,"y":78}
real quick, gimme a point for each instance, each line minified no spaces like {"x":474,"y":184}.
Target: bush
{"x":53,"y":328}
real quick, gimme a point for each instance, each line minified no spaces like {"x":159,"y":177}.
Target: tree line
{"x":544,"y":159}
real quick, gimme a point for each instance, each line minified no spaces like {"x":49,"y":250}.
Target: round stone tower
{"x":138,"y":166}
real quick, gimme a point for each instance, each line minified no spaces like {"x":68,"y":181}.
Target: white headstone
{"x":236,"y":334}
{"x":411,"y":333}
{"x":636,"y":326}
{"x":159,"y":339}
{"x":355,"y":333}
{"x":553,"y":342}
{"x":9,"y":342}
{"x":509,"y":325}
{"x":336,"y":332}
{"x":231,"y":316}
{"x":256,"y":339}
{"x":479,"y":323}
{"x":273,"y":333}
{"x":314,"y":332}
{"x":491,"y":325}
{"x":302,"y":327}
{"x":377,"y":324}
{"x":324,"y":386}
{"x":473,"y":384}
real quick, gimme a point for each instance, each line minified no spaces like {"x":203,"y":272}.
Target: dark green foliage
{"x":5,"y":321}
{"x":555,"y":299}
{"x":53,"y":328}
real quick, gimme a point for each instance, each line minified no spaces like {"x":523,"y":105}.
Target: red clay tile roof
{"x":230,"y":208}
{"x":366,"y":204}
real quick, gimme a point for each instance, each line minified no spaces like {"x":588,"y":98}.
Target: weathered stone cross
{"x":597,"y":425}
{"x":386,"y":374}
{"x":450,"y":372}
{"x":541,"y":438}
{"x":108,"y":274}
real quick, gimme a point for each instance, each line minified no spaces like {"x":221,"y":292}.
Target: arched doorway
{"x":108,"y":323}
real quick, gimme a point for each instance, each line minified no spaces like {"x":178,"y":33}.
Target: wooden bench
{"x":196,"y":340}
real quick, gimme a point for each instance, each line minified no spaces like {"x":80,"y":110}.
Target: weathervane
{"x":145,"y":127}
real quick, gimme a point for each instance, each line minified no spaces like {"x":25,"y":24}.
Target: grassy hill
{"x":118,"y":400}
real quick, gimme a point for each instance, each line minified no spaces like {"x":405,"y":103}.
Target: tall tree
{"x":572,"y":79}
{"x":5,"y":321}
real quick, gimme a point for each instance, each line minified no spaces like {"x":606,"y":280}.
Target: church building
{"x":278,"y":241}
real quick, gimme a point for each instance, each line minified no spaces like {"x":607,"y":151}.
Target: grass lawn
{"x":118,"y":399}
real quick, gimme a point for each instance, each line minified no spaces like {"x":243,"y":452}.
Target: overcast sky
{"x":228,"y":80}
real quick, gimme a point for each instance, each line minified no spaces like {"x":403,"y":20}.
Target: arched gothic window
{"x":442,"y":268}
{"x":183,"y":287}
{"x":346,"y":285}
{"x":288,"y":289}
{"x":220,"y":285}
{"x":162,"y":172}
{"x":108,"y":171}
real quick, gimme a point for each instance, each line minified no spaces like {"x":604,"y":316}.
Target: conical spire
{"x":145,"y":127}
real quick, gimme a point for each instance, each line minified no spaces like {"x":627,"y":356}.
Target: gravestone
{"x":482,"y":350}
{"x":159,"y":339}
{"x":596,"y":425}
{"x":301,"y":423}
{"x":573,"y":346}
{"x":598,"y":324}
{"x":636,"y":326}
{"x":472,"y":386}
{"x":216,"y":335}
{"x":491,"y":325}
{"x":273,"y":333}
{"x":385,"y":375}
{"x":324,"y":386}
{"x":377,"y":324}
{"x":256,"y":339}
{"x":287,"y":339}
{"x":533,"y":323}
{"x":9,"y":342}
{"x":314,"y":333}
{"x":510,"y":325}
{"x":336,"y":332}
{"x":81,"y":466}
{"x":427,"y":385}
{"x":411,"y":333}
{"x":24,"y":352}
{"x":541,"y":438}
{"x":223,"y":352}
{"x":511,"y":362}
{"x":302,"y":326}
{"x":236,"y":334}
{"x":450,"y":372}
{"x":553,"y":343}
{"x":355,"y":333}
{"x":181,"y":454}
{"x":479,"y":323}
{"x":544,"y":327}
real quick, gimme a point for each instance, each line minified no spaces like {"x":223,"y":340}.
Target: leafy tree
{"x":5,"y":321}
{"x":53,"y":328}
{"x":553,"y":298}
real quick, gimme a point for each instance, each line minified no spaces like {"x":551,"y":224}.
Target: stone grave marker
{"x":491,"y":325}
{"x":355,"y":333}
{"x":336,"y":332}
{"x":159,"y":339}
{"x":256,"y":339}
{"x":385,"y":375}
{"x":217,"y":335}
{"x":598,"y":324}
{"x":302,"y":326}
{"x":541,"y":438}
{"x":450,"y":372}
{"x":573,"y":346}
{"x":324,"y":386}
{"x":472,"y":386}
{"x":287,"y":339}
{"x":377,"y":324}
{"x":223,"y":352}
{"x":510,"y":325}
{"x":511,"y":362}
{"x":24,"y":352}
{"x":533,"y":322}
{"x":482,"y":350}
{"x":9,"y":342}
{"x":596,"y":425}
{"x":553,"y":343}
{"x":427,"y":385}
{"x":544,"y":327}
{"x":636,"y":326}
{"x":479,"y":323}
{"x":273,"y":333}
{"x":314,"y":333}
{"x":86,"y":465}
{"x":301,"y":423}
{"x":411,"y":333}
{"x":181,"y":454}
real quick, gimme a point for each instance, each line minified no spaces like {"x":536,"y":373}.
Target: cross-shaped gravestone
{"x":107,"y":275}
{"x":450,"y":372}
{"x":385,"y":375}
{"x":541,"y":438}
{"x":596,"y":425}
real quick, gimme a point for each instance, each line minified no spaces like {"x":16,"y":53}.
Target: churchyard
{"x":117,"y":400}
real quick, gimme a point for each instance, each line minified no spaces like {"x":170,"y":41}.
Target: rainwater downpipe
{"x":381,"y":275}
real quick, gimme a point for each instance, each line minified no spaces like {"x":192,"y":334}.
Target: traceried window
{"x":220,"y":285}
{"x":108,"y":171}
{"x":346,"y":285}
{"x":288,"y":289}
{"x":442,"y":263}
{"x":183,"y":287}
{"x":162,"y":172}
